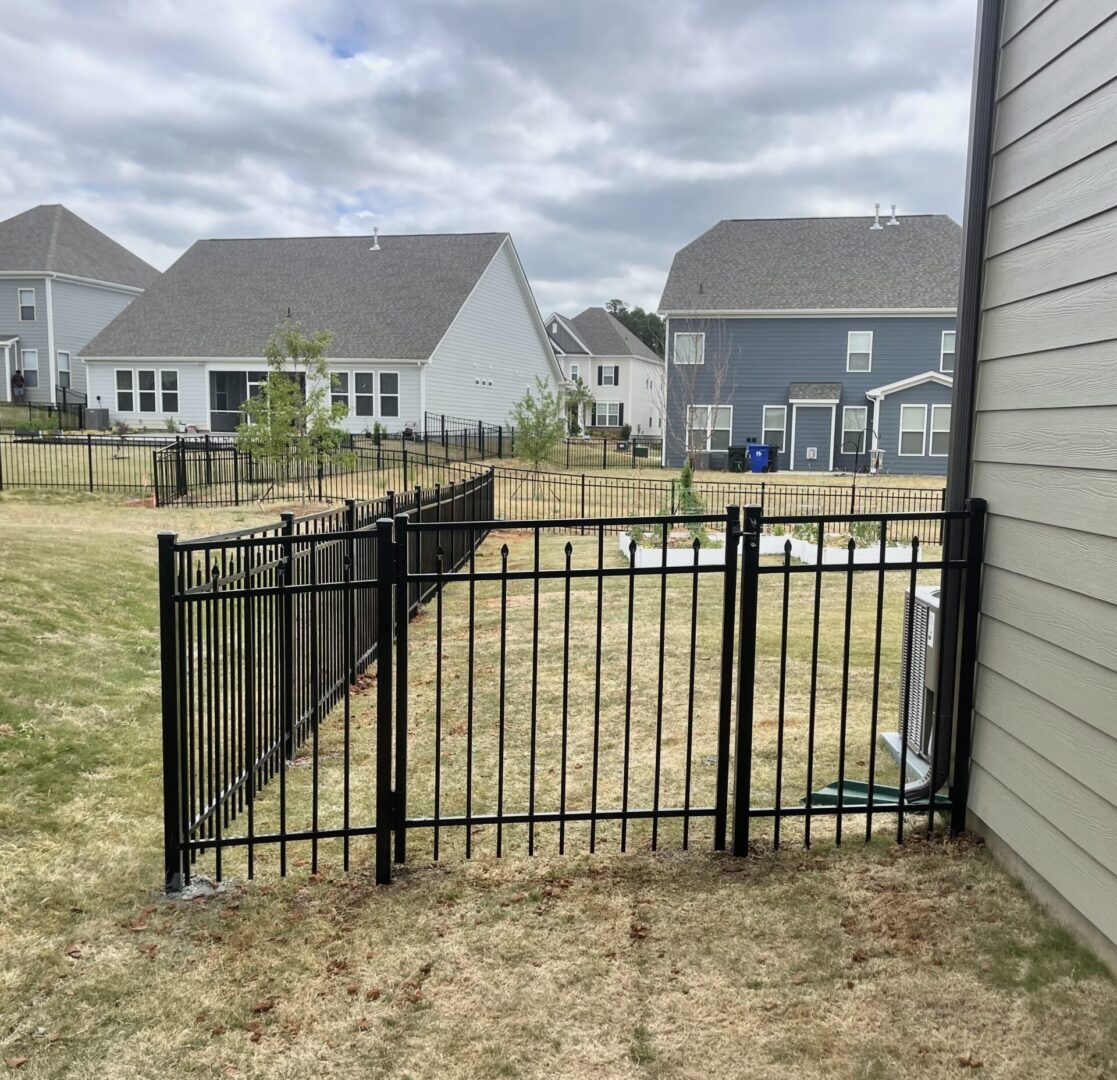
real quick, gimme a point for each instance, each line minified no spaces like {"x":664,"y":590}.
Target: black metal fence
{"x":684,"y":683}
{"x":608,"y":453}
{"x":466,"y":440}
{"x":263,"y":632}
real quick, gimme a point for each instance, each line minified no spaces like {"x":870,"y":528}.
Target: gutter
{"x":959,"y":473}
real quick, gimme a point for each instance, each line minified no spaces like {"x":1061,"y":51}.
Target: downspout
{"x":968,"y":327}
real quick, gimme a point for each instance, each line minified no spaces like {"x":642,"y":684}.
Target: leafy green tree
{"x":285,"y":425}
{"x":577,"y":401}
{"x":540,"y":420}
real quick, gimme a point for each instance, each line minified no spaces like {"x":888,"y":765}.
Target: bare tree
{"x":692,"y":395}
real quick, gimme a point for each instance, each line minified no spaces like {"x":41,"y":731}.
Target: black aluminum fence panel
{"x":590,"y":692}
{"x":264,"y":632}
{"x":66,"y":415}
{"x":608,"y":453}
{"x":467,"y":440}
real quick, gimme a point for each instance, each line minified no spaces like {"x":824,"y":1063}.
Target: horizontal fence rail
{"x":640,"y":681}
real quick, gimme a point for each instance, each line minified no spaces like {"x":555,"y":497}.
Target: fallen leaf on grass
{"x":970,"y":1062}
{"x":373,"y":994}
{"x":73,"y":952}
{"x":263,"y":1006}
{"x":148,"y":949}
{"x":352,"y":990}
{"x":637,"y":931}
{"x":362,"y":1024}
{"x":16,"y":1062}
{"x":986,"y":965}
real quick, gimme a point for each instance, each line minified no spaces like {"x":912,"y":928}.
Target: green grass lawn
{"x":875,"y":961}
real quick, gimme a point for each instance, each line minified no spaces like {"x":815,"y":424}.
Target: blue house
{"x":831,"y":338}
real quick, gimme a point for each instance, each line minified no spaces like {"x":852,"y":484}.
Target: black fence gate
{"x":600,"y":684}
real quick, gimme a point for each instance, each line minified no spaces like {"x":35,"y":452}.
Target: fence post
{"x":350,"y":570}
{"x":481,"y":439}
{"x":236,"y":477}
{"x":172,"y":765}
{"x":967,"y":666}
{"x":583,"y":514}
{"x":209,"y":460}
{"x":746,"y":680}
{"x":404,"y":444}
{"x":399,"y":799}
{"x":3,"y":443}
{"x":605,"y":453}
{"x":287,"y":630}
{"x":385,"y":574}
{"x":500,"y":441}
{"x":725,"y":696}
{"x":853,"y":497}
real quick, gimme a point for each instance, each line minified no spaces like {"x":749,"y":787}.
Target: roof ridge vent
{"x":893,"y":220}
{"x":876,"y":217}
{"x":375,"y":238}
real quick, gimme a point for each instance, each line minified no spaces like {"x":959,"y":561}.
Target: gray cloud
{"x":603,"y":136}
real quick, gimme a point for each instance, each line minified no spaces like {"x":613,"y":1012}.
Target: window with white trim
{"x":147,"y":390}
{"x":940,"y":431}
{"x":709,"y":427}
{"x":29,"y":361}
{"x":364,"y":399}
{"x":775,"y":425}
{"x":339,"y":389}
{"x":690,"y":348}
{"x":26,"y":305}
{"x":913,"y":430}
{"x":608,"y":374}
{"x":389,"y":393}
{"x":855,"y":424}
{"x":168,"y":391}
{"x":63,"y":375}
{"x":125,"y":391}
{"x":859,"y":350}
{"x":946,"y":351}
{"x":607,"y":414}
{"x":575,"y":371}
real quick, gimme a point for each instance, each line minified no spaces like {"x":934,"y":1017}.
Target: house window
{"x":554,"y":327}
{"x":363,"y":399}
{"x":608,"y":375}
{"x":389,"y":393}
{"x":946,"y":353}
{"x":855,"y":421}
{"x":63,"y":369}
{"x":775,"y":425}
{"x":125,"y":399}
{"x":575,"y":371}
{"x":607,"y":414}
{"x":859,"y":350}
{"x":168,"y":386}
{"x":709,"y":427}
{"x":147,"y":390}
{"x":940,"y":431}
{"x":690,"y":348}
{"x":913,"y":430}
{"x":26,"y":305}
{"x":339,"y":389}
{"x":29,"y":358}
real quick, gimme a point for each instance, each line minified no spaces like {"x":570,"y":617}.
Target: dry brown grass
{"x":871,"y":962}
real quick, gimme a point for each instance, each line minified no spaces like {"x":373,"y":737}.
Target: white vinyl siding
{"x":855,"y":424}
{"x":1044,"y":456}
{"x":29,"y":362}
{"x":690,"y":348}
{"x":913,"y":430}
{"x":859,"y":350}
{"x":775,"y":425}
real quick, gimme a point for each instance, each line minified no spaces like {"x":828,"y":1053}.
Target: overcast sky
{"x":602,"y":134}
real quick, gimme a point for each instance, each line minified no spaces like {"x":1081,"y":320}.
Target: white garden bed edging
{"x":806,"y":551}
{"x":676,"y":556}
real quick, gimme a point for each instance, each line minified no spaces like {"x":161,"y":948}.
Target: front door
{"x":812,"y":437}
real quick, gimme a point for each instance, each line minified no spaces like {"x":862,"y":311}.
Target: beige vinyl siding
{"x":1044,"y":771}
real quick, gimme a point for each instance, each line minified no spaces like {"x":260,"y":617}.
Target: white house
{"x":424,"y":323}
{"x":623,"y":374}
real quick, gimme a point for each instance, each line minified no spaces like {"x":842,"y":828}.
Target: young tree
{"x":540,"y":423}
{"x":577,"y":401}
{"x":695,"y":395}
{"x":284,"y":424}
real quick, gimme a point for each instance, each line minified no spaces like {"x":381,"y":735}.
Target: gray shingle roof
{"x":605,"y":335}
{"x":765,"y":264}
{"x":814,"y":391}
{"x":51,"y":238}
{"x":225,"y":297}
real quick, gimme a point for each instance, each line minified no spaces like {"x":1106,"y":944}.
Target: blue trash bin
{"x":758,"y":457}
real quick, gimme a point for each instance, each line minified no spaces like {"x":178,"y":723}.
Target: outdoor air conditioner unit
{"x":921,"y":617}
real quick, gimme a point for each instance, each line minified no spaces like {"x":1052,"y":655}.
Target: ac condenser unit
{"x":922,"y":653}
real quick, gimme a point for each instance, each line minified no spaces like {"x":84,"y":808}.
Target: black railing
{"x":700,"y":679}
{"x":264,"y":631}
{"x":466,"y":440}
{"x":67,"y":415}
